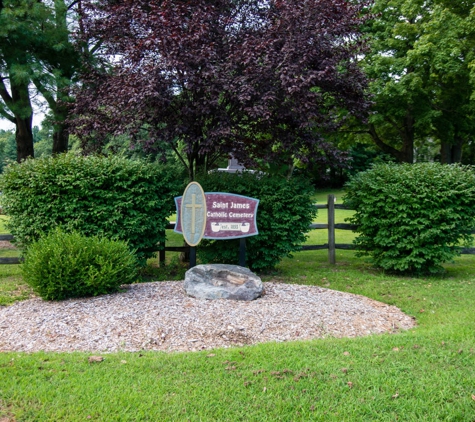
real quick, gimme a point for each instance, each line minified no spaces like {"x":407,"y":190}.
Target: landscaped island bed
{"x":160,"y":316}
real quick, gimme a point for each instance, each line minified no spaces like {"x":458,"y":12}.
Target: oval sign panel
{"x":193,"y":213}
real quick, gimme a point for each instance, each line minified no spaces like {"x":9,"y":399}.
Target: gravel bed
{"x":160,"y":316}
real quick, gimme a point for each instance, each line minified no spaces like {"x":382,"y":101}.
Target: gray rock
{"x":220,"y":281}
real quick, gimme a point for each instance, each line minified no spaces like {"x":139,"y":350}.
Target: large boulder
{"x":220,"y":281}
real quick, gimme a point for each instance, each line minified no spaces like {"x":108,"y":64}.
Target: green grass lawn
{"x":3,"y":221}
{"x":320,"y":237}
{"x":424,"y":374}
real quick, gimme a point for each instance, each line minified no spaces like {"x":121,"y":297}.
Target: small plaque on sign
{"x":192,"y":214}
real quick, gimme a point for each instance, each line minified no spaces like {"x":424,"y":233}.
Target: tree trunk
{"x":59,"y":107}
{"x":445,"y":153}
{"x":24,"y":138}
{"x":407,"y":135}
{"x":404,"y":155}
{"x":191,"y":158}
{"x":60,"y":138}
{"x":457,"y":152}
{"x":20,"y":105}
{"x":451,"y":153}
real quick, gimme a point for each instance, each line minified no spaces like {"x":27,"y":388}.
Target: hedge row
{"x":284,"y":213}
{"x":413,"y":217}
{"x":113,"y":197}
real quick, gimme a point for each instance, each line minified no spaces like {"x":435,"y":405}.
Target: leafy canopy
{"x":39,"y":59}
{"x":258,"y":79}
{"x":420,"y":63}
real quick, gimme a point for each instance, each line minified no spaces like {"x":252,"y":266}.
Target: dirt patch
{"x":5,"y":244}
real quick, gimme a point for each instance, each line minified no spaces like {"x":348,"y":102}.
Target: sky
{"x":6,"y":124}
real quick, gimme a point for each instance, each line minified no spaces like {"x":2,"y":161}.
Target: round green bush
{"x":119,"y":198}
{"x":65,"y":265}
{"x":413,"y":217}
{"x":284,"y":214}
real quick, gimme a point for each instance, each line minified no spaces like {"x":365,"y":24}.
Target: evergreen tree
{"x":18,"y":29}
{"x":38,"y":55}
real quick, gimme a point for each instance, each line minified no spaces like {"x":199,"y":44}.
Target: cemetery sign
{"x":220,"y":215}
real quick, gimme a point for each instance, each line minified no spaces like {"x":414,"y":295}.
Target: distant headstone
{"x":233,"y":166}
{"x":221,"y":281}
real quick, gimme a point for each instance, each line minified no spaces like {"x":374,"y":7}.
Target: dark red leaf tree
{"x":262,"y":79}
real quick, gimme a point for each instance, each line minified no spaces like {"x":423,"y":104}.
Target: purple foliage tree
{"x":261,"y":79}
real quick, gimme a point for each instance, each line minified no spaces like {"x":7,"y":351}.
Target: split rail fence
{"x":330,"y":226}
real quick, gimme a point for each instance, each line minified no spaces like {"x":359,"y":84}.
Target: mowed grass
{"x":320,"y":236}
{"x":12,"y":287}
{"x":3,"y":222}
{"x":424,"y":374}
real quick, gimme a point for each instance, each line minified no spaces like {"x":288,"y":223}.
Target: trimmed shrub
{"x":110,"y":196}
{"x":283,"y":216}
{"x":412,"y":217}
{"x":65,"y":265}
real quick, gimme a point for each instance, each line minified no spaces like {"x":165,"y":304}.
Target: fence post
{"x":161,"y":254}
{"x":331,"y":229}
{"x":161,"y":259}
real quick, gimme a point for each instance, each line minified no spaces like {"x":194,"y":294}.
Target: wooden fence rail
{"x":331,"y":226}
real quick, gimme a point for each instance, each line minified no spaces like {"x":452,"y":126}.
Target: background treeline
{"x":389,"y":81}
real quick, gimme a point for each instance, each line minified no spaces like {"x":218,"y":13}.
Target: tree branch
{"x":179,"y":155}
{"x":73,"y":4}
{"x":395,"y":126}
{"x":5,"y":94}
{"x":47,"y":94}
{"x":382,"y":145}
{"x":95,"y":47}
{"x":6,"y":115}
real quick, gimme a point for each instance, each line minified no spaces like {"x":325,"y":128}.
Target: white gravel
{"x":160,"y":316}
